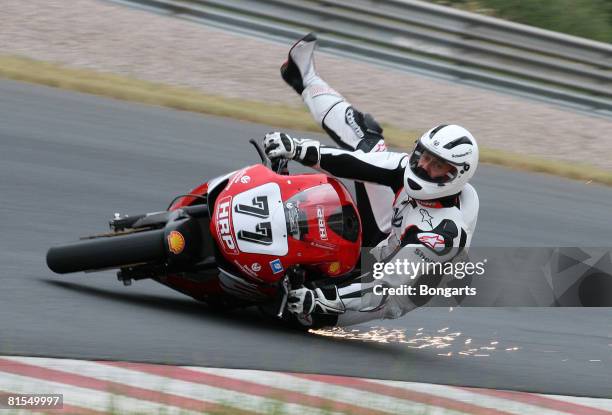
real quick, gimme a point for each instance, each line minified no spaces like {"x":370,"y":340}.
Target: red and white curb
{"x":121,"y":387}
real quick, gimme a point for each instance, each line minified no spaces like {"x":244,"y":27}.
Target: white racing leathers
{"x":398,"y":226}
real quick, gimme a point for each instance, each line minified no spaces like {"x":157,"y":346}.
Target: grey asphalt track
{"x":69,"y":161}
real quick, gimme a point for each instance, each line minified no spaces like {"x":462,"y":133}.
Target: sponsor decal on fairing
{"x":247,"y":271}
{"x":321,"y":222}
{"x":176,"y":242}
{"x":238,"y":178}
{"x":333,"y":268}
{"x":276,"y":266}
{"x":223,"y":216}
{"x":324,"y":245}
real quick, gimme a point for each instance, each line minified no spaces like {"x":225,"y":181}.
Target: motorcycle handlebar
{"x":278,"y":166}
{"x":262,"y":154}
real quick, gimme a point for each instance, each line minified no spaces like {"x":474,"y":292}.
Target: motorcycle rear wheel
{"x":108,"y":252}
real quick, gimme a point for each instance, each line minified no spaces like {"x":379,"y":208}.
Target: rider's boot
{"x":347,"y":126}
{"x":327,"y":106}
{"x":300,"y":73}
{"x":298,"y":70}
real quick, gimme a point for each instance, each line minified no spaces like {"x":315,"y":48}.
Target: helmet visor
{"x":431,"y":168}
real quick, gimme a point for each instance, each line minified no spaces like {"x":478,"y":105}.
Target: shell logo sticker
{"x":176,"y":242}
{"x":333,"y":268}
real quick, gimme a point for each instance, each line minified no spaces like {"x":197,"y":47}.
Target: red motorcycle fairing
{"x":312,"y":216}
{"x":229,"y":241}
{"x":265,"y":223}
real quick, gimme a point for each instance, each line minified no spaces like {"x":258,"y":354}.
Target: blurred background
{"x":585,"y":18}
{"x":536,"y":99}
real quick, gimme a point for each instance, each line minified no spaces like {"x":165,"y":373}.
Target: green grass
{"x":585,"y":18}
{"x":279,"y":116}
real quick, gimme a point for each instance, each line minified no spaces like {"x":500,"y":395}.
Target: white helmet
{"x":451,"y":143}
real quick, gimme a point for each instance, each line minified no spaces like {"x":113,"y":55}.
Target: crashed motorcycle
{"x":245,"y":238}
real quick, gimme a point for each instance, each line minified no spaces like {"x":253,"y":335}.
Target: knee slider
{"x":364,"y":125}
{"x":372,"y":125}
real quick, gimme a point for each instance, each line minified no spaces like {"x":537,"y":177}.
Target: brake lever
{"x":262,"y":154}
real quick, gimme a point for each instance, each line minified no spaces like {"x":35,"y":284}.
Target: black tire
{"x":107,"y":252}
